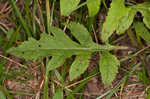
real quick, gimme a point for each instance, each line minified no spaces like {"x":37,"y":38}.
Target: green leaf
{"x":144,"y":8}
{"x":116,"y":12}
{"x":68,"y":6}
{"x":93,"y":7}
{"x":108,"y":67}
{"x":79,"y":66}
{"x":55,"y":62}
{"x":60,"y":46}
{"x":2,"y":96}
{"x":142,"y":31}
{"x":80,"y":33}
{"x":58,"y":94}
{"x":126,"y":21}
{"x":57,"y":45}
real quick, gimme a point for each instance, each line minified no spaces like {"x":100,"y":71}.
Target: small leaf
{"x":93,"y":7}
{"x":68,"y":6}
{"x":144,"y":8}
{"x":126,"y":21}
{"x":79,"y":66}
{"x":58,"y":94}
{"x":142,"y":31}
{"x":116,"y":12}
{"x":80,"y":33}
{"x":55,"y":62}
{"x":108,"y":67}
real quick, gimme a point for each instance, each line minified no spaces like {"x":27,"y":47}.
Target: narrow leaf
{"x":108,"y":67}
{"x":57,"y":45}
{"x":116,"y":12}
{"x":68,"y":6}
{"x":60,"y":46}
{"x":142,"y":31}
{"x":79,"y":66}
{"x":93,"y":7}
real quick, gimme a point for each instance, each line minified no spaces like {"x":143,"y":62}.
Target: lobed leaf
{"x":108,"y":67}
{"x":60,"y":46}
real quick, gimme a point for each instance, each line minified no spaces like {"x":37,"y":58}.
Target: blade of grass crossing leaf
{"x":13,"y":4}
{"x":82,"y":83}
{"x":112,"y":91}
{"x":124,"y":79}
{"x":108,"y":67}
{"x":93,"y":7}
